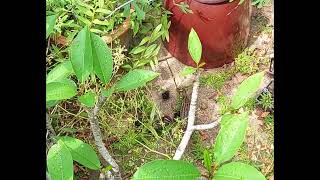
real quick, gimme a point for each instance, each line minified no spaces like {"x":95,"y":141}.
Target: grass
{"x":141,"y":135}
{"x":224,"y":103}
{"x":266,"y":101}
{"x":246,"y":62}
{"x":251,"y":104}
{"x":216,"y":80}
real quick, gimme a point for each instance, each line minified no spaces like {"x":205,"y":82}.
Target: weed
{"x":251,"y":104}
{"x":216,"y":80}
{"x":223,"y":102}
{"x":197,"y":148}
{"x":269,"y":119}
{"x":246,"y":62}
{"x":266,"y":101}
{"x":267,"y":30}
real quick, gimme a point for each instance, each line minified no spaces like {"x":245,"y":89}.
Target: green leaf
{"x":230,"y":137}
{"x":81,"y":3}
{"x":97,"y":31}
{"x":207,"y":160}
{"x":84,"y":20}
{"x":59,"y":162}
{"x":156,"y":33}
{"x":59,"y":90}
{"x":81,"y":55}
{"x":138,"y":50}
{"x":167,"y":170}
{"x":149,"y":50}
{"x":102,"y":59}
{"x":108,"y":92}
{"x":61,"y":71}
{"x":50,"y":104}
{"x":85,"y":11}
{"x":188,"y":70}
{"x":126,"y":11}
{"x":237,"y":170}
{"x":50,"y":22}
{"x":88,"y":99}
{"x":134,"y":79}
{"x":105,"y":11}
{"x":194,"y":46}
{"x":144,"y":40}
{"x":97,"y":21}
{"x":140,"y":13}
{"x":156,"y":51}
{"x":135,"y":27}
{"x":82,"y":152}
{"x":246,"y":90}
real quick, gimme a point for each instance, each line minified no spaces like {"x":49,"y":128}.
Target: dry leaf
{"x":61,"y":40}
{"x":264,"y":114}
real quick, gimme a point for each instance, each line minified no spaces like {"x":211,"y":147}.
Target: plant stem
{"x":119,"y":7}
{"x":152,"y":149}
{"x":95,"y":128}
{"x":50,"y":133}
{"x":207,"y":126}
{"x":191,"y":118}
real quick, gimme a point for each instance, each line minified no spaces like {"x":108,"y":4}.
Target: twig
{"x":191,"y":117}
{"x":94,"y":123}
{"x":207,"y":126}
{"x":153,"y":150}
{"x":119,"y":7}
{"x":49,"y":126}
{"x":50,"y":133}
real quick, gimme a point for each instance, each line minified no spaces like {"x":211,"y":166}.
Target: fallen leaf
{"x":61,"y":40}
{"x":264,"y":114}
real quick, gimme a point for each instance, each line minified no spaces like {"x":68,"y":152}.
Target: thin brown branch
{"x":95,"y":128}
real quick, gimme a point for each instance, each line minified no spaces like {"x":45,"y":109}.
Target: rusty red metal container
{"x":222,"y":26}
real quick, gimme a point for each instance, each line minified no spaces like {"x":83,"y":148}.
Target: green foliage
{"x":246,"y":90}
{"x":247,"y":62}
{"x":88,"y":99}
{"x":140,"y":14}
{"x":224,"y":103}
{"x":269,"y":119}
{"x":194,"y":46}
{"x":207,"y":160}
{"x":188,"y":70}
{"x":134,"y":79}
{"x":230,"y":137}
{"x":260,"y":3}
{"x":61,"y":71}
{"x":81,"y":55}
{"x":50,"y":21}
{"x":251,"y":104}
{"x":61,"y":156}
{"x":89,"y":53}
{"x":81,"y":152}
{"x":59,"y":162}
{"x":266,"y":101}
{"x":237,"y":170}
{"x":167,"y":170}
{"x":60,"y":90}
{"x":184,"y":7}
{"x":216,"y":80}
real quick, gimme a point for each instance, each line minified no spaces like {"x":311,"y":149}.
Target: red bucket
{"x":222,"y":26}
